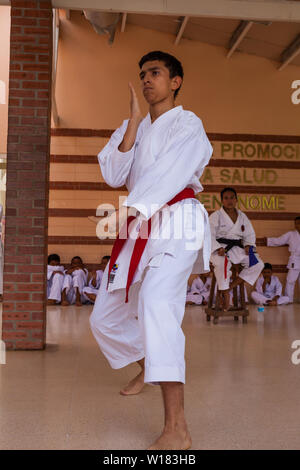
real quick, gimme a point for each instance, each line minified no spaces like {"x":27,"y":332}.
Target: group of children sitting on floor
{"x":75,"y":285}
{"x":233,"y":243}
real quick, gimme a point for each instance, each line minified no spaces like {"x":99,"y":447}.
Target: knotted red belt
{"x":140,"y":243}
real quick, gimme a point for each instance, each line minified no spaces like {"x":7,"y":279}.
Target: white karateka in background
{"x":233,"y":242}
{"x":160,"y":158}
{"x":94,"y":281}
{"x":55,"y":279}
{"x":74,"y":282}
{"x":1,"y":255}
{"x":198,"y":292}
{"x":292,"y":239}
{"x":268,"y":289}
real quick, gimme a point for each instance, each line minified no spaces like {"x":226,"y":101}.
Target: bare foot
{"x":78,"y":303}
{"x":135,"y":386}
{"x":51,"y":302}
{"x":189,"y":302}
{"x":178,"y":439}
{"x":64,"y":303}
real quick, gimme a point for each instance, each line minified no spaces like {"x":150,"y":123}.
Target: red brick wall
{"x":28,"y":145}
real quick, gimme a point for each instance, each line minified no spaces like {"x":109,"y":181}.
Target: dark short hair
{"x":173,"y":65}
{"x":297,"y":218}
{"x":268,"y":266}
{"x":76,"y":257}
{"x":53,"y":257}
{"x":106,"y":257}
{"x":225,"y":190}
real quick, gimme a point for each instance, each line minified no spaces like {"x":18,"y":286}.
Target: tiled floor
{"x":242,"y":389}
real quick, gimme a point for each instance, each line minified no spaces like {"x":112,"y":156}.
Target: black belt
{"x":230,"y":243}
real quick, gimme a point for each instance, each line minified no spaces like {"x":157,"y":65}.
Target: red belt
{"x":140,"y":243}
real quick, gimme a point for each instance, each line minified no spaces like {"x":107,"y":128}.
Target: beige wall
{"x":245,"y":94}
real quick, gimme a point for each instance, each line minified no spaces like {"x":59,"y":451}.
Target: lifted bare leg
{"x":64,"y":301}
{"x":175,"y":435}
{"x":78,"y":298}
{"x":91,"y":297}
{"x":136,"y":385}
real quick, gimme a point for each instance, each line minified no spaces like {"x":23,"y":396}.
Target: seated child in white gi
{"x":233,"y":242}
{"x":198,"y":292}
{"x":268,"y":289}
{"x":94,"y":281}
{"x":292,"y":239}
{"x":55,"y":279}
{"x":74,"y":282}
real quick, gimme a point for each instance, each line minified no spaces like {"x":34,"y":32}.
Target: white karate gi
{"x":292,"y":239}
{"x":77,"y":279}
{"x":167,"y":156}
{"x":54,"y":282}
{"x":222,"y":226}
{"x":91,"y":289}
{"x":271,"y":290}
{"x":198,"y":291}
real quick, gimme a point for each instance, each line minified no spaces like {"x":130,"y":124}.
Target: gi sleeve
{"x":185,"y":157}
{"x":279,"y":241}
{"x":115,"y":165}
{"x":214,"y":225}
{"x":249,"y":237}
{"x":259,"y":284}
{"x":50,"y":270}
{"x":278,"y":287}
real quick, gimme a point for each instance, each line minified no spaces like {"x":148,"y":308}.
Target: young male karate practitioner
{"x":198,"y":292}
{"x":74,"y":282}
{"x":160,"y":158}
{"x":55,"y":279}
{"x":94,"y":281}
{"x":268,"y":289}
{"x":292,"y":239}
{"x":233,"y":242}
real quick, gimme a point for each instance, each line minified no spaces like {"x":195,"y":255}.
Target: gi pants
{"x":158,"y":302}
{"x":236,"y":255}
{"x":293,"y":275}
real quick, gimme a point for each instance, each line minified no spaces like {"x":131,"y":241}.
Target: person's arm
{"x":278,"y":289}
{"x":279,"y":241}
{"x":186,"y":155}
{"x":249,"y":237}
{"x":259,"y":284}
{"x":117,"y":156}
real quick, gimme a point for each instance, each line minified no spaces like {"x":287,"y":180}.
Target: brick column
{"x":28,"y":147}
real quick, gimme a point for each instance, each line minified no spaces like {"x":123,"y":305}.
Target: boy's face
{"x":103,"y":263}
{"x":54,"y":263}
{"x":267,"y":273}
{"x":156,"y":82}
{"x":76,"y":262}
{"x":229,"y":200}
{"x":297,"y":225}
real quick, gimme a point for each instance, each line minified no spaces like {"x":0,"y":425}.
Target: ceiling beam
{"x":271,"y":10}
{"x":237,"y":36}
{"x":290,"y":53}
{"x":181,"y":30}
{"x":123,"y":25}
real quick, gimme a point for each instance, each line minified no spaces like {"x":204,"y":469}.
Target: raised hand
{"x":133,"y":124}
{"x":135,"y":111}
